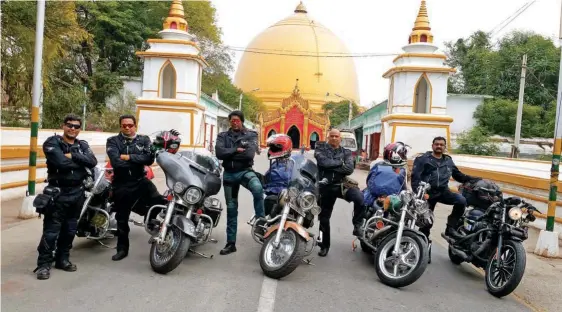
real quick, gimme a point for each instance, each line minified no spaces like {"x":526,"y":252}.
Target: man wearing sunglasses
{"x":437,"y":168}
{"x":67,"y":160}
{"x":237,"y":148}
{"x":128,"y":153}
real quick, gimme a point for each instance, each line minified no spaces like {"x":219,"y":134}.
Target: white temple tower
{"x":417,"y":100}
{"x":171,"y":88}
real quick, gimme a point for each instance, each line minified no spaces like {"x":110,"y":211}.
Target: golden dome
{"x":301,"y":42}
{"x":421,"y":31}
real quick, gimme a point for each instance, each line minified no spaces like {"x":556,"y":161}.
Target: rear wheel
{"x":502,"y":277}
{"x":168,"y":255}
{"x":283,"y":260}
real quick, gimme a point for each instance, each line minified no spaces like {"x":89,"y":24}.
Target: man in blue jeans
{"x":237,"y":148}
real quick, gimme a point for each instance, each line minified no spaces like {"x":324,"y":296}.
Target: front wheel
{"x":406,"y":267}
{"x":502,"y":278}
{"x":283,"y":260}
{"x":166,"y":256}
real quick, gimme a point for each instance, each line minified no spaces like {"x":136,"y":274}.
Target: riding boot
{"x":229,"y":248}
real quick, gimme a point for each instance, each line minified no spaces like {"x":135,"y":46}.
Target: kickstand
{"x":308,"y":261}
{"x":201,"y":254}
{"x":353,"y":245}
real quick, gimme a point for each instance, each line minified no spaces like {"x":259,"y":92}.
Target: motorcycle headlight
{"x":179,"y":187}
{"x":315,"y":210}
{"x":211,"y":202}
{"x":193,"y":195}
{"x":306,"y":200}
{"x":515,"y":213}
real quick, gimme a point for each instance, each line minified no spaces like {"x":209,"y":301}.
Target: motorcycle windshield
{"x":207,"y":162}
{"x":304,"y":174}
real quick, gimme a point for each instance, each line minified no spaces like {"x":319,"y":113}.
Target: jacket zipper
{"x":130,"y":174}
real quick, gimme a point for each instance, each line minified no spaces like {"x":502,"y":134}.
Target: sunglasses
{"x":109,"y":171}
{"x":72,"y":126}
{"x":127,"y":126}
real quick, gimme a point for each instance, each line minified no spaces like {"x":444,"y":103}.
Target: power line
{"x":511,"y":18}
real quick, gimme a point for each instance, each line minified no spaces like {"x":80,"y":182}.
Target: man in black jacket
{"x":237,"y":148}
{"x":335,"y":163}
{"x":67,"y":160}
{"x":128,"y":153}
{"x":437,"y":168}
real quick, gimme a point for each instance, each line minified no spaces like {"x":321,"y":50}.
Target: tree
{"x":498,"y":116}
{"x":339,"y":111}
{"x":485,"y":68}
{"x":476,"y":142}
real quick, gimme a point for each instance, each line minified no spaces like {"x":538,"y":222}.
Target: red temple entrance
{"x":294,"y":118}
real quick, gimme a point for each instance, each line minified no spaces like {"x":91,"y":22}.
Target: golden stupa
{"x":292,"y":49}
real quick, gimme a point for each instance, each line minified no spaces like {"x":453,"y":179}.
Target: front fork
{"x":164,"y":228}
{"x":401,"y":225}
{"x":284,"y":216}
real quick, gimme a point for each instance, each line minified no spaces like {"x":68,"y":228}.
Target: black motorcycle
{"x":492,"y":238}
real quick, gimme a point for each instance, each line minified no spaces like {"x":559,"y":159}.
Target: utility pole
{"x":36,"y":93}
{"x":515,"y":146}
{"x":547,"y":244}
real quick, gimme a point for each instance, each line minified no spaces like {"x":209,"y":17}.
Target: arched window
{"x":168,"y":81}
{"x":423,"y":38}
{"x":173,"y":25}
{"x":422,"y":96}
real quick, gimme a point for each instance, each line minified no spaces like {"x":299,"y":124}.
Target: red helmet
{"x":280,"y":146}
{"x":395,"y":153}
{"x":168,"y":140}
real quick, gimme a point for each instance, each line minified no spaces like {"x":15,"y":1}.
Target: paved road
{"x":343,"y":281}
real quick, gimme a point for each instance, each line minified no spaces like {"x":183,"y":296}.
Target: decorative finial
{"x":296,"y":90}
{"x":421,"y":31}
{"x":176,"y":17}
{"x":301,"y":8}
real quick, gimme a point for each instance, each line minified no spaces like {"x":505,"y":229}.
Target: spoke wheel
{"x":504,"y":272}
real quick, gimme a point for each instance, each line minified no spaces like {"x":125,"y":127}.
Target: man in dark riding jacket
{"x":67,"y":160}
{"x":237,"y":148}
{"x":437,"y":168}
{"x":128,"y":153}
{"x":335,"y":163}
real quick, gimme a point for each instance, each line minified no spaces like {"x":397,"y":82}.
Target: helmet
{"x":168,"y":140}
{"x":395,"y":153}
{"x":280,"y":146}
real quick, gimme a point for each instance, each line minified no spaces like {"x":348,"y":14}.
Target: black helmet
{"x":168,"y":141}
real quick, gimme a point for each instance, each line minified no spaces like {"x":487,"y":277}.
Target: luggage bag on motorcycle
{"x":480,"y":194}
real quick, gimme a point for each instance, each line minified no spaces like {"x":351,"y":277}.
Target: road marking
{"x":267,"y":295}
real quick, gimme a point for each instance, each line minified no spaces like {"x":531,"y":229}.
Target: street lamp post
{"x":241,"y":95}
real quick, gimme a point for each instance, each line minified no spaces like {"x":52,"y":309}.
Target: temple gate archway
{"x":295,"y":135}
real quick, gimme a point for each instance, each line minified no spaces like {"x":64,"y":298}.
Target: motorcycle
{"x":390,"y":232}
{"x":191,"y":213}
{"x":97,"y":217}
{"x":498,"y":230}
{"x":283,"y":233}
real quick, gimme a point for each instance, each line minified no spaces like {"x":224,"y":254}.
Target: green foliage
{"x":498,"y":116}
{"x":476,"y":142}
{"x":108,"y":119}
{"x":93,"y":44}
{"x":339,"y":111}
{"x":495,"y":69}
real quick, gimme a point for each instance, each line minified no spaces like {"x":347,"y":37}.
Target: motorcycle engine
{"x":98,"y":220}
{"x":470,"y":223}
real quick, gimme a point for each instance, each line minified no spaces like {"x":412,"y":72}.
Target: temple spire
{"x":176,"y":17}
{"x":301,"y":8}
{"x":421,"y":31}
